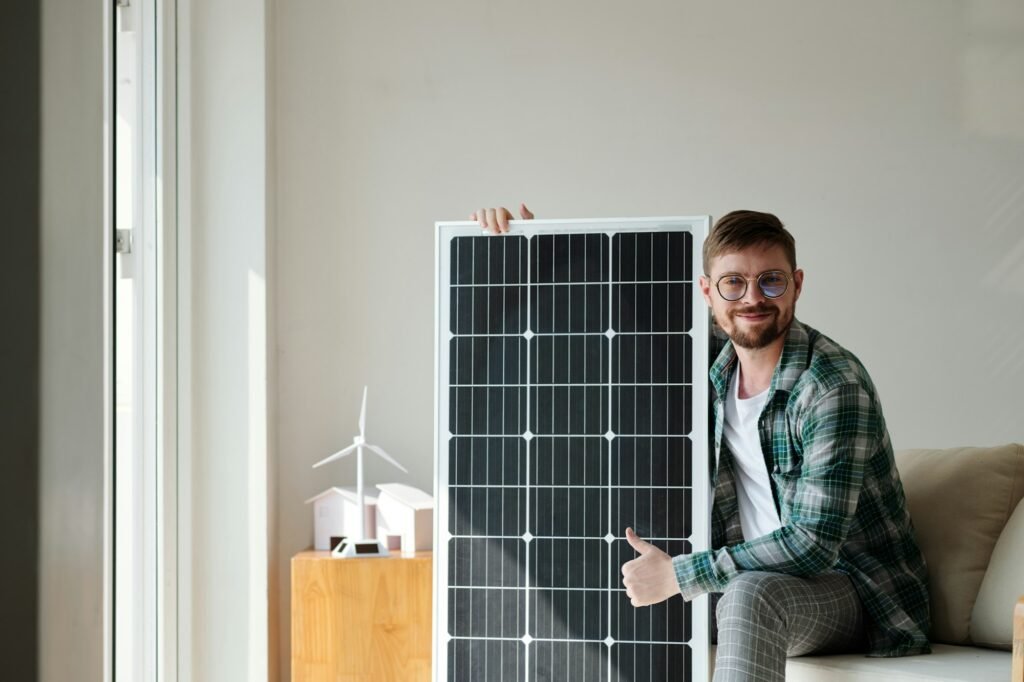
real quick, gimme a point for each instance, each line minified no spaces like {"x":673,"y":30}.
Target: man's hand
{"x":650,"y":578}
{"x":495,"y":220}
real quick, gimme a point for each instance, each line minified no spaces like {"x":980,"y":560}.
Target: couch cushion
{"x":959,"y":500}
{"x":961,"y":663}
{"x":1003,"y":585}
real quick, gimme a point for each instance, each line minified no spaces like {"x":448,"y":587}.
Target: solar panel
{"x":571,"y":403}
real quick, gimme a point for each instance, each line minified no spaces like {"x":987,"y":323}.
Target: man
{"x":812,"y":545}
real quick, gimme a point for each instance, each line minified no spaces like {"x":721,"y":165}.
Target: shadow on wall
{"x":1003,"y":280}
{"x":993,"y":107}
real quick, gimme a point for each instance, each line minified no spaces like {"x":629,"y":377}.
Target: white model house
{"x":408,"y":513}
{"x":336,"y":514}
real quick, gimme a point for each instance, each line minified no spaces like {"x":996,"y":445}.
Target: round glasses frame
{"x":768,"y":291}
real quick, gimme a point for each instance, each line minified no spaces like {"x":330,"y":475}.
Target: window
{"x":144,"y":345}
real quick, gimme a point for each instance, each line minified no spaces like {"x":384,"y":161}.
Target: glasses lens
{"x":732,"y":287}
{"x":773,"y":283}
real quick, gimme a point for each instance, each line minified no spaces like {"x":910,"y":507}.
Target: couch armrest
{"x":1018,"y":642}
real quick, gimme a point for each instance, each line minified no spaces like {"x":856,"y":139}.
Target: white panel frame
{"x":699,"y":226}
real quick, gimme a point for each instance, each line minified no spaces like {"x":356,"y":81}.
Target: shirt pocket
{"x":785,"y":478}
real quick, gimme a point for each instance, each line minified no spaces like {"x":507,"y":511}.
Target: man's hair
{"x":742,"y":229}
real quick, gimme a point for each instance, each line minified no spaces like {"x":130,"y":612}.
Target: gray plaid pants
{"x":762,"y":618}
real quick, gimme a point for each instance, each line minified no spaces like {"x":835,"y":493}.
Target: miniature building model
{"x":336,"y":514}
{"x":407,"y":512}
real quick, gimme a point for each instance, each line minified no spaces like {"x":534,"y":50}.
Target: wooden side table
{"x":361,"y":620}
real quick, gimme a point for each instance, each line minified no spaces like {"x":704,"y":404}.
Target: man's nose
{"x":753,"y":295}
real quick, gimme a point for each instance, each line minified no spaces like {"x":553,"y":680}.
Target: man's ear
{"x":705,"y":289}
{"x":798,"y":283}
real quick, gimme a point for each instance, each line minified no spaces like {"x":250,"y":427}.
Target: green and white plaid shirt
{"x":836,"y":487}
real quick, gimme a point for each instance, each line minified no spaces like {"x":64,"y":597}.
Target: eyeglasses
{"x":772,"y":283}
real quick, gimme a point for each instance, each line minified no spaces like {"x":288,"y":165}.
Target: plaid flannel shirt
{"x":836,"y":488}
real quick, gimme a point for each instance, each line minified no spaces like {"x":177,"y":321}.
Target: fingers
{"x":503,"y":216}
{"x":649,"y":578}
{"x":496,"y":220}
{"x":630,"y":582}
{"x":631,"y":589}
{"x":636,"y":543}
{"x":492,"y":221}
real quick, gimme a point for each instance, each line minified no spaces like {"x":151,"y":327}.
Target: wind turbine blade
{"x":362,"y":415}
{"x":387,"y":457}
{"x":336,"y":455}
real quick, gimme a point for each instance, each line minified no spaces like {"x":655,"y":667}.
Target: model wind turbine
{"x":365,"y":546}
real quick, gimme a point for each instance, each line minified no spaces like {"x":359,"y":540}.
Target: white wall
{"x":73,"y":376}
{"x":888,"y":136}
{"x":224,"y":475}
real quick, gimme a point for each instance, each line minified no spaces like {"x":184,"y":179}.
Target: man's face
{"x":754,"y":321}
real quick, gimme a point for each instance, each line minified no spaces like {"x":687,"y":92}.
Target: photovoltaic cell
{"x":567,"y":393}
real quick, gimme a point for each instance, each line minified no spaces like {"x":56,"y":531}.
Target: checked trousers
{"x":763,"y":618}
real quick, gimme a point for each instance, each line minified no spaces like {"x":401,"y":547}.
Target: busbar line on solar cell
{"x":457,"y":244}
{"x":487,"y":451}
{"x":635,"y":294}
{"x":610,"y":384}
{"x":583,"y":435}
{"x":610,"y":334}
{"x":531,"y":334}
{"x":567,"y":485}
{"x":529,"y":447}
{"x":560,"y":639}
{"x":572,"y":284}
{"x":650,"y":509}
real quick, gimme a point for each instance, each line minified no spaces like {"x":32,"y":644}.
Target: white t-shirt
{"x":753,"y":488}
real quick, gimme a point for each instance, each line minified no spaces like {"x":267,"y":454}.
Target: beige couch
{"x":965,"y":503}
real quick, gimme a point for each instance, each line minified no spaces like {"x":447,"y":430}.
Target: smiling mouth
{"x":755,"y":315}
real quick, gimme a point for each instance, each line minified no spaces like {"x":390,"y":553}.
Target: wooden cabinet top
{"x":324,"y":555}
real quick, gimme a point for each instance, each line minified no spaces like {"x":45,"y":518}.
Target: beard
{"x":763,"y":335}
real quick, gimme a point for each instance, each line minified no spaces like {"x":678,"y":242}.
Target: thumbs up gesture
{"x":650,"y":578}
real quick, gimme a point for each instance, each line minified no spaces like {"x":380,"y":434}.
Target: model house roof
{"x":348,"y":493}
{"x":413,"y":498}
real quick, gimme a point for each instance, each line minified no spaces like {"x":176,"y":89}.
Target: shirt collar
{"x":791,"y":365}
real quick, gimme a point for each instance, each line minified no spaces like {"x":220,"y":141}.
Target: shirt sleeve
{"x":839,"y":432}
